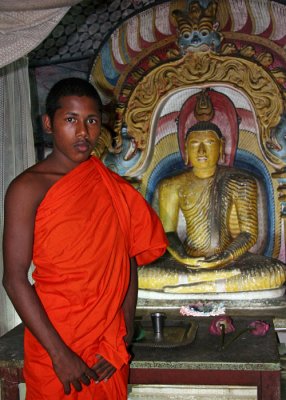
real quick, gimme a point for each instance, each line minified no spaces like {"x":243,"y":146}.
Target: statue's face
{"x":203,"y":148}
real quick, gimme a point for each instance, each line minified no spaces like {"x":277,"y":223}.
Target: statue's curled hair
{"x":205,"y":126}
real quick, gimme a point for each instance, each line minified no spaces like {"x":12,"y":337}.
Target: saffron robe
{"x":88,"y":226}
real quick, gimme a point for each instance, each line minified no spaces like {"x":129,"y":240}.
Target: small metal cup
{"x":158,"y":319}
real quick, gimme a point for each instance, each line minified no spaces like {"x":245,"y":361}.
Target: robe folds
{"x":88,"y":226}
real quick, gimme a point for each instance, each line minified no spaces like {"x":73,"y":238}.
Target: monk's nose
{"x":81,"y":130}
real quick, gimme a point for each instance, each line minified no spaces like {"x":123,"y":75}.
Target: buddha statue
{"x":219,"y":205}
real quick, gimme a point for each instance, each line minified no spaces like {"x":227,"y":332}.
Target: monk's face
{"x":203,"y":149}
{"x":75,"y":128}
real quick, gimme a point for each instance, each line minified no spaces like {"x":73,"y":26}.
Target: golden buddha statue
{"x":219,"y":205}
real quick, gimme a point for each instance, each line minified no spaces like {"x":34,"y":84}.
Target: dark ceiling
{"x":82,"y":30}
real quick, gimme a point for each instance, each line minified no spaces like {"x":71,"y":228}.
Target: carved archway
{"x":195,"y":69}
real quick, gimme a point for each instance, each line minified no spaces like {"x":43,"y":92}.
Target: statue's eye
{"x":204,"y":32}
{"x":187,"y":35}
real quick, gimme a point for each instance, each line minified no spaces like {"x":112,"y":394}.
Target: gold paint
{"x":167,"y":146}
{"x":248,"y":142}
{"x":203,"y":150}
{"x":196,"y":69}
{"x":99,"y":77}
{"x":103,"y":143}
{"x":256,"y":39}
{"x":145,"y":53}
{"x":220,"y":210}
{"x":224,"y":13}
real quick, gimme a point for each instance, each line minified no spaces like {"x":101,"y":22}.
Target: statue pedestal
{"x":273,"y":307}
{"x":259,"y":295}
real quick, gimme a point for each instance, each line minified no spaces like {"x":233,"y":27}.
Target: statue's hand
{"x":183,"y":258}
{"x":216,"y":261}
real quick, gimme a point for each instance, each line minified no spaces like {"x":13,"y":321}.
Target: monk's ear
{"x":47,"y":123}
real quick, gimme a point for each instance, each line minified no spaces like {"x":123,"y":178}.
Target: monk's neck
{"x":205,"y":172}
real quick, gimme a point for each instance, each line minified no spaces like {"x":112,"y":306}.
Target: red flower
{"x":221,"y":324}
{"x":259,"y":328}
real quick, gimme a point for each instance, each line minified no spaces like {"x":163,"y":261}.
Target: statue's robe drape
{"x":88,"y":226}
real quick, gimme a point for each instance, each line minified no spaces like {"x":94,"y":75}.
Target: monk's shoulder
{"x":29,"y":186}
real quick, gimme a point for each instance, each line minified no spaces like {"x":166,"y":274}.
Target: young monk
{"x":85,"y":229}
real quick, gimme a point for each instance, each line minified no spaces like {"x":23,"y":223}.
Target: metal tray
{"x":176,"y":333}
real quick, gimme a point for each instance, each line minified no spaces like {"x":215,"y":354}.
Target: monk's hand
{"x":72,"y":370}
{"x":103,"y":369}
{"x":128,"y":338}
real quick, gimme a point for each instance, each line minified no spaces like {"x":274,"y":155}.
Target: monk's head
{"x":204,"y":147}
{"x":70,"y":87}
{"x":73,"y":118}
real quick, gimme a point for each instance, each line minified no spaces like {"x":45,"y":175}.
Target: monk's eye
{"x":70,"y":119}
{"x":92,"y":121}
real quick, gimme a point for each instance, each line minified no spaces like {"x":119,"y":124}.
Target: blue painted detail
{"x":279,"y":132}
{"x":110,"y":73}
{"x":195,"y":39}
{"x":201,"y":37}
{"x":123,"y":49}
{"x":168,"y":166}
{"x":203,"y":3}
{"x":249,"y":162}
{"x":116,"y":162}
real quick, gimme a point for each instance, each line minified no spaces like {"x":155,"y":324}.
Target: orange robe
{"x":88,"y":226}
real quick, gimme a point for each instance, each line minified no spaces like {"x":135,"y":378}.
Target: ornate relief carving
{"x":197,"y":69}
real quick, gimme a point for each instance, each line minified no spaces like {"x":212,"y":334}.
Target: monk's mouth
{"x":82,"y":146}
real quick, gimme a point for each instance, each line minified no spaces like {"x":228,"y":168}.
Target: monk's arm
{"x":103,"y":368}
{"x":130,"y":302}
{"x":21,"y":203}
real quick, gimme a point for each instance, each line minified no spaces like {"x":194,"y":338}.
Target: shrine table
{"x":249,"y":361}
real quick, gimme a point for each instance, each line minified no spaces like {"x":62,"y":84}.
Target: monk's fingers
{"x":67,"y":388}
{"x":92,"y":374}
{"x":77,"y":385}
{"x":109,"y":371}
{"x":85,"y":379}
{"x":103,"y":368}
{"x":100,"y":369}
{"x":101,"y":364}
